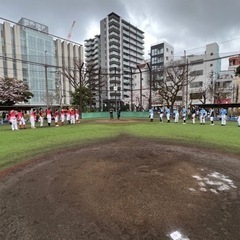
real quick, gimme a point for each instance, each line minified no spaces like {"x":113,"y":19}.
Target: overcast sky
{"x":186,"y":24}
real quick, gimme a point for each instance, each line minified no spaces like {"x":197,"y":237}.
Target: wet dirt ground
{"x":124,"y":188}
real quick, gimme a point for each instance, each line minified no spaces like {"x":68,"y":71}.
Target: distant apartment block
{"x":160,"y":55}
{"x":122,"y":49}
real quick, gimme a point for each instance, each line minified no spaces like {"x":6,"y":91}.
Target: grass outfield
{"x":22,"y":145}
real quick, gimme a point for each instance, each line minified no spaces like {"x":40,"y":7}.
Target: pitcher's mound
{"x":126,"y":188}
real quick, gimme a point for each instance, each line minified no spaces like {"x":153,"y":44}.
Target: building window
{"x":166,"y":49}
{"x":178,"y":98}
{"x":196,"y":73}
{"x":195,"y":95}
{"x":211,"y":65}
{"x":196,"y":84}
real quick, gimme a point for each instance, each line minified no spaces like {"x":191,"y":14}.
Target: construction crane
{"x":70,"y":32}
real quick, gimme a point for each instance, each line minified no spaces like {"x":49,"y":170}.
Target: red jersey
{"x":12,"y":115}
{"x":48,"y":112}
{"x":19,"y":115}
{"x":56,"y":114}
{"x":72,"y":112}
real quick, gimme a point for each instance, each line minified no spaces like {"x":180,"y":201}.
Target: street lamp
{"x":141,"y":79}
{"x":115,"y":87}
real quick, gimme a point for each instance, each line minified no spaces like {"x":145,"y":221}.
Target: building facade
{"x":29,"y":53}
{"x":234,"y":63}
{"x":93,"y":66}
{"x":161,"y":54}
{"x":202,"y":72}
{"x":122,"y":49}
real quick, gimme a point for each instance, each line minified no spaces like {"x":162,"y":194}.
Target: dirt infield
{"x":125,"y":188}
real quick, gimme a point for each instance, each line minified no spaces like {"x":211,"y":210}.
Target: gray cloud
{"x":186,"y":24}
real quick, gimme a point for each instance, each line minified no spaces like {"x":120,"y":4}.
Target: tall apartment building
{"x":122,"y":46}
{"x":93,"y":65}
{"x":160,"y":55}
{"x":29,"y":53}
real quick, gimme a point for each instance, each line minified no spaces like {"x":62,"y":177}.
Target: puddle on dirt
{"x":214,"y":182}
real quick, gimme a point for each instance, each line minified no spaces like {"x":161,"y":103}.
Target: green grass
{"x":22,"y":145}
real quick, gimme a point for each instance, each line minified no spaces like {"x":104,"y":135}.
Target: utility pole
{"x":213,"y":85}
{"x":99,"y":89}
{"x":46,"y":80}
{"x":140,"y":86}
{"x":150,"y":86}
{"x":187,"y":86}
{"x":81,"y":89}
{"x":131,"y":88}
{"x":115,"y":88}
{"x":184,"y":81}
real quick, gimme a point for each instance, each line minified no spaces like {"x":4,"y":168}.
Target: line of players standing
{"x":196,"y":113}
{"x":17,"y":120}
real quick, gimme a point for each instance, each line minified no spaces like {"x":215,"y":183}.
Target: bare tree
{"x":90,"y":78}
{"x":213,"y":91}
{"x":77,"y":78}
{"x":177,"y":77}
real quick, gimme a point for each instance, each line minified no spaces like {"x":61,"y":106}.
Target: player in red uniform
{"x":72,"y":116}
{"x":68,"y":115}
{"x":40,"y":114}
{"x":77,"y":115}
{"x":63,"y":111}
{"x":56,"y":117}
{"x":49,"y":116}
{"x":13,"y":120}
{"x":20,"y":118}
{"x":33,"y":118}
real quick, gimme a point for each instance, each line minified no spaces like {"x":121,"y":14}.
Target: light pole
{"x":141,"y":79}
{"x":46,"y":80}
{"x":115,"y":88}
{"x":150,"y":86}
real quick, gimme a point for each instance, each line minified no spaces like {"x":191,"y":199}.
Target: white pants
{"x":14,"y":123}
{"x":22,"y":121}
{"x":56,"y":119}
{"x":49,"y":118}
{"x":193,"y":118}
{"x":68,"y":117}
{"x":73,"y":119}
{"x":32,"y":121}
{"x":168,"y":116}
{"x":41,"y":121}
{"x":161,"y":117}
{"x":202,"y":119}
{"x":223,"y":119}
{"x":62,"y":118}
{"x":176,"y":117}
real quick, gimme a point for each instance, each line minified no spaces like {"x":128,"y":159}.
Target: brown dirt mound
{"x":125,"y":188}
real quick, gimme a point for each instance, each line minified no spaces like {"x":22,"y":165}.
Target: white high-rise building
{"x":122,"y":46}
